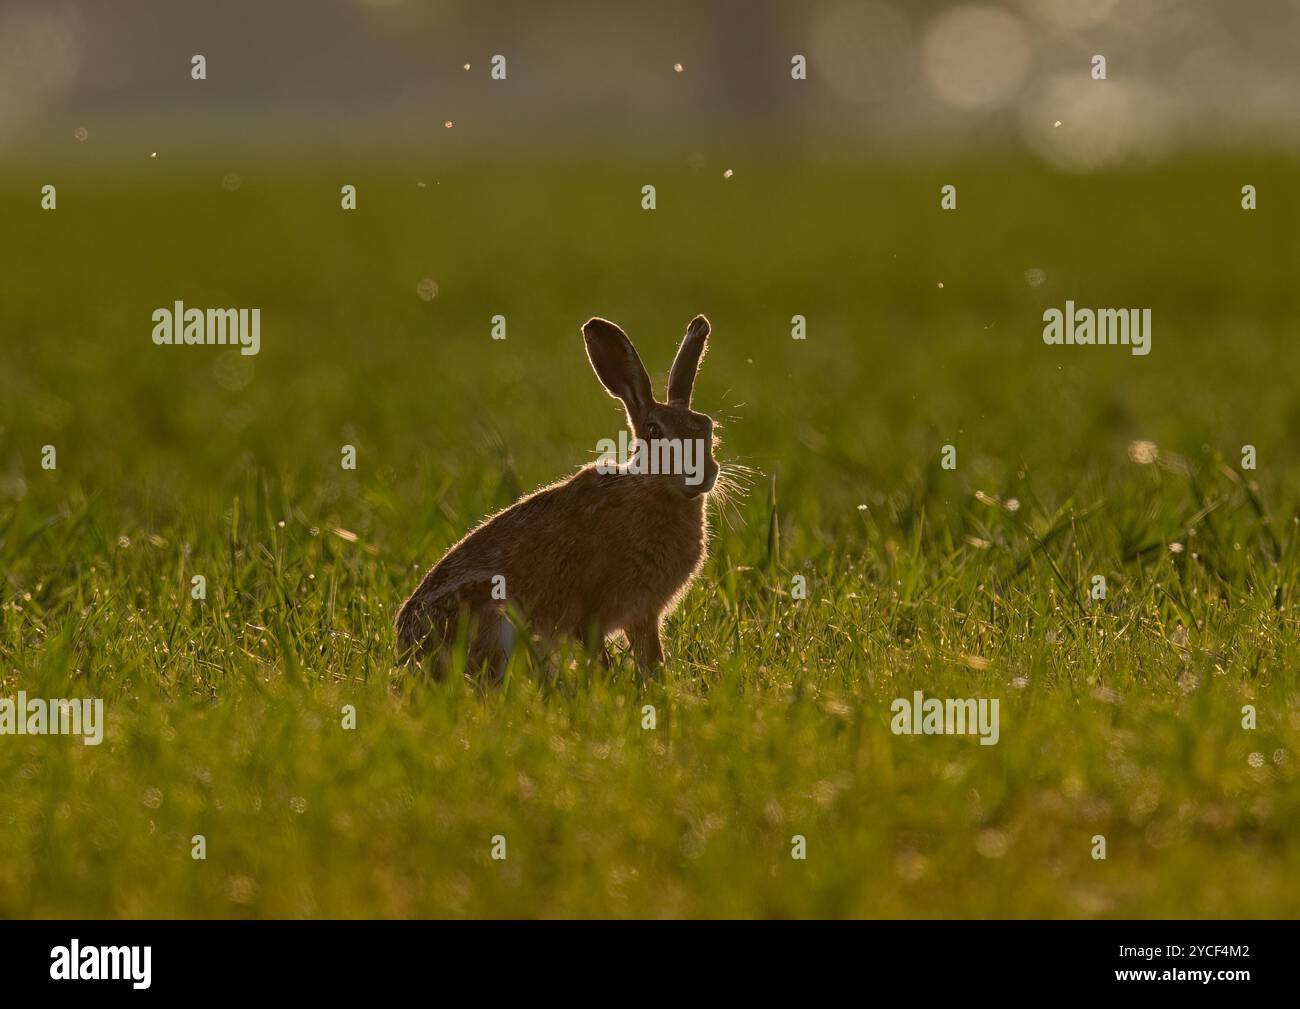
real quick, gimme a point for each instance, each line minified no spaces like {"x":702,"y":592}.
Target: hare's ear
{"x":682,"y":378}
{"x":617,"y":365}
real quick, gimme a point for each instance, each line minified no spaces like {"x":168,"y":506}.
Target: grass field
{"x":1120,"y":718}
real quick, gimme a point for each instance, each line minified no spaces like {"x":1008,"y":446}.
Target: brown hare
{"x":612,"y":548}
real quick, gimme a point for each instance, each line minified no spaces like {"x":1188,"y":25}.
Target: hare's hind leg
{"x":439,"y":624}
{"x":493,"y":644}
{"x":425,"y":625}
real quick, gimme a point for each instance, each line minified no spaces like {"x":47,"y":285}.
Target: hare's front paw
{"x":643,"y":636}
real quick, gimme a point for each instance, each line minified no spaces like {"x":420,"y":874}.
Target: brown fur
{"x":589,"y":556}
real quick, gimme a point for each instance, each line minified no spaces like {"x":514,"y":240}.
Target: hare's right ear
{"x":617,"y":365}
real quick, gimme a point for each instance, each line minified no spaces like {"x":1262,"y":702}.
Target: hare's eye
{"x":653,"y":430}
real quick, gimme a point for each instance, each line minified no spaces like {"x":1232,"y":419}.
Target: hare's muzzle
{"x":705,"y":485}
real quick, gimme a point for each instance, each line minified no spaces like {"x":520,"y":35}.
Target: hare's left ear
{"x":618,"y":366}
{"x":682,"y":378}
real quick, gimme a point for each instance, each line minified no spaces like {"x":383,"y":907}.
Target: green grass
{"x":1120,"y":718}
